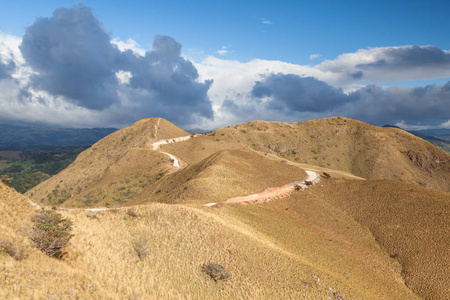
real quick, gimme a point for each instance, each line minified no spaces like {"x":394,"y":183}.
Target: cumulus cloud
{"x":420,"y":105}
{"x":129,"y":44}
{"x":73,"y":57}
{"x":288,"y":92}
{"x":6,"y":69}
{"x":67,"y":70}
{"x":390,"y":64}
{"x":170,"y":82}
{"x":266,"y":22}
{"x":302,"y":96}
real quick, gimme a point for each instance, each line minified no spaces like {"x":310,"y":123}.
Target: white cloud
{"x":267,"y":22}
{"x":233,"y":82}
{"x":129,"y":44}
{"x":389,"y":64}
{"x":315,"y":56}
{"x":124,"y":77}
{"x":224,"y":51}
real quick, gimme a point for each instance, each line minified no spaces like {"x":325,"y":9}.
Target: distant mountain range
{"x":25,"y":137}
{"x":438,"y":137}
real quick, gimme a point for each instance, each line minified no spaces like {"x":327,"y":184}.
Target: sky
{"x":211,"y":64}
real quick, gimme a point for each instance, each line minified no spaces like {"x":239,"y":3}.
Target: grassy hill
{"x":410,"y":222}
{"x":268,"y":251}
{"x":119,"y":164}
{"x":349,"y":237}
{"x":344,"y":144}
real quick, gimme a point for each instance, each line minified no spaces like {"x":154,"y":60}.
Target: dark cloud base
{"x":74,"y":58}
{"x":292,"y":95}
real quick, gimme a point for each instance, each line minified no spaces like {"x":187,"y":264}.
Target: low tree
{"x":50,"y":232}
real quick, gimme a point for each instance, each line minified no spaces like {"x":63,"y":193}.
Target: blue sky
{"x":229,"y":50}
{"x":298,"y":29}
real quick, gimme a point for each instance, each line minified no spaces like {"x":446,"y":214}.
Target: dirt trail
{"x":265,"y":196}
{"x":156,"y":145}
{"x":276,"y":192}
{"x":176,"y":161}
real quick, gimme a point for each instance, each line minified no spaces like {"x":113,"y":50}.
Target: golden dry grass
{"x":330,"y":240}
{"x":348,"y":145}
{"x":225,"y":174}
{"x":180,"y":241}
{"x":332,"y":231}
{"x":36,"y":276}
{"x":113,"y":159}
{"x":410,"y":222}
{"x":270,"y":253}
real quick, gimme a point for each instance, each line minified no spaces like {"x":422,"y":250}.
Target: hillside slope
{"x":344,"y":238}
{"x":179,"y":239}
{"x":35,"y":276}
{"x":411,"y":223}
{"x":225,"y":174}
{"x":124,"y":159}
{"x":348,"y":145}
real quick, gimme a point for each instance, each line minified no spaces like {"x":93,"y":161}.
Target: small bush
{"x":141,"y":247}
{"x":92,"y":216}
{"x":308,"y":182}
{"x":132,"y":213}
{"x":50,"y":232}
{"x":6,"y":180}
{"x":326,"y":175}
{"x":216,"y":271}
{"x":298,"y":187}
{"x":15,"y":251}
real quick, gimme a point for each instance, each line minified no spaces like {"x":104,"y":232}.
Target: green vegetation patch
{"x":31,"y":167}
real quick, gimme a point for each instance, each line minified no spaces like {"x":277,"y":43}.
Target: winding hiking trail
{"x":265,"y":196}
{"x":276,"y":192}
{"x":156,"y":145}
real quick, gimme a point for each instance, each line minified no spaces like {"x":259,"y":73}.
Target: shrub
{"x":132,"y":213}
{"x":216,"y":271}
{"x":15,"y":251}
{"x":140,"y":246}
{"x":50,"y":232}
{"x":308,"y":182}
{"x":6,"y":180}
{"x":326,"y":175}
{"x":92,"y":216}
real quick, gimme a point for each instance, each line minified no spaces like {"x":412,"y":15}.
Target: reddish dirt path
{"x":276,"y":192}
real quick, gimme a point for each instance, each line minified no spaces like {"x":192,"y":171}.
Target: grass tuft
{"x":141,"y":247}
{"x":15,"y":251}
{"x":216,"y":271}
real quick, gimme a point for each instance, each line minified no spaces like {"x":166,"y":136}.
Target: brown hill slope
{"x":253,"y":245}
{"x":114,"y":170}
{"x":225,"y":174}
{"x":410,"y":222}
{"x":34,"y":276}
{"x":348,"y":145}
